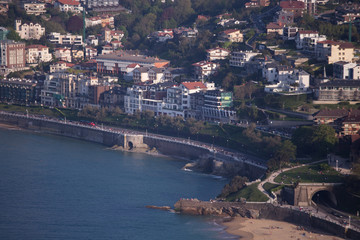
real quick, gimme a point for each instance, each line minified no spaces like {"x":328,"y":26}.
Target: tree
{"x":74,"y":24}
{"x":283,"y":155}
{"x":302,"y":139}
{"x":13,"y":35}
{"x":234,"y":186}
{"x":324,"y":138}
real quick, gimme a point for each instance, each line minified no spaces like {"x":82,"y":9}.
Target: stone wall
{"x":223,"y":165}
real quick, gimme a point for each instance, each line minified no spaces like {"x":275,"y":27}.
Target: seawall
{"x":219,"y":160}
{"x":265,"y":211}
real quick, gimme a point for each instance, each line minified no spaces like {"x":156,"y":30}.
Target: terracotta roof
{"x":36,"y":46}
{"x":193,"y":85}
{"x":133,"y":65}
{"x":292,"y":4}
{"x":69,"y":2}
{"x":346,"y":45}
{"x":331,"y":42}
{"x":274,"y":25}
{"x":332,"y":113}
{"x":352,"y":119}
{"x":230,"y":31}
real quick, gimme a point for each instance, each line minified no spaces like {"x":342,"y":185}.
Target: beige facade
{"x":231,"y":35}
{"x":68,"y":39}
{"x":334,"y":51}
{"x":35,"y":8}
{"x":29,"y":31}
{"x":37,"y":54}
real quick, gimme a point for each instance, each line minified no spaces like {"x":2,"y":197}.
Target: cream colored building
{"x":63,"y":54}
{"x":37,"y":54}
{"x":60,"y":66}
{"x":231,"y":35}
{"x":29,"y":31}
{"x":35,"y":8}
{"x":68,"y":39}
{"x":69,"y":6}
{"x":334,"y":51}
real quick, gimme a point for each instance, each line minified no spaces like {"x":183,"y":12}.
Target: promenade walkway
{"x":213,"y":149}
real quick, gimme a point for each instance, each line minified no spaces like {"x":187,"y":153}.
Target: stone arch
{"x":324,"y":191}
{"x":130,"y":145}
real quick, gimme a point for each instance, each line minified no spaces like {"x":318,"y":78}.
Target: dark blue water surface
{"x":60,"y":188}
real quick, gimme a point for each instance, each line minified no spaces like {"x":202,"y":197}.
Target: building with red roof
{"x":37,"y":53}
{"x":69,"y":6}
{"x":297,"y":7}
{"x":231,"y":35}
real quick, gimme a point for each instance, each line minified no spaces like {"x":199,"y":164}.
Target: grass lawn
{"x":312,"y":173}
{"x":269,"y":187}
{"x":250,"y":193}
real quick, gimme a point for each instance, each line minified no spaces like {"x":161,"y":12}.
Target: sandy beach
{"x":263,"y":229}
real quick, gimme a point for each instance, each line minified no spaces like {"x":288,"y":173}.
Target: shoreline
{"x":258,"y":229}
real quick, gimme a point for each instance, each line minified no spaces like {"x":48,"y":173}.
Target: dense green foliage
{"x":234,"y":186}
{"x":315,"y":140}
{"x":250,"y":193}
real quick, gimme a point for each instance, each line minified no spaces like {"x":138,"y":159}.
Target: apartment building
{"x":231,"y":35}
{"x":60,"y":66}
{"x":63,"y":54}
{"x":217,"y":54}
{"x":238,"y":59}
{"x":34,"y":8}
{"x":117,"y":62}
{"x":29,"y":31}
{"x":67,"y":39}
{"x":37,"y":54}
{"x":299,"y":39}
{"x":339,"y":90}
{"x":346,"y":70}
{"x":101,"y":3}
{"x":203,"y":69}
{"x":12,"y":56}
{"x":333,"y":51}
{"x":20,"y":91}
{"x":73,"y":6}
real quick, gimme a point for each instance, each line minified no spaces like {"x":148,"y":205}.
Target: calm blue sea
{"x":60,"y":188}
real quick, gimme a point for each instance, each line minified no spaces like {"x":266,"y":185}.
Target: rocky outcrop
{"x":212,"y":166}
{"x":165,"y":208}
{"x":214,"y":208}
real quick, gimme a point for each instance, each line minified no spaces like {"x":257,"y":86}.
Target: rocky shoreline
{"x":263,"y":211}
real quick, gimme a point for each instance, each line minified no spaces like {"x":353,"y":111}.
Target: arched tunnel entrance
{"x":325,"y":198}
{"x":130,"y":145}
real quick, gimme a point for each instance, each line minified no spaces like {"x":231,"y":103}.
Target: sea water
{"x":54,"y":187}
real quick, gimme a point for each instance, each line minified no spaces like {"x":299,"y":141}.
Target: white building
{"x":69,"y":6}
{"x":238,"y":59}
{"x":346,"y":70}
{"x":63,"y":54}
{"x":68,"y":39}
{"x":204,"y":69}
{"x":269,"y":72}
{"x":37,"y":54}
{"x":29,"y":31}
{"x":60,"y":66}
{"x":291,"y":81}
{"x":299,"y":39}
{"x":92,"y":40}
{"x":34,"y":8}
{"x":310,"y":43}
{"x":217,"y":54}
